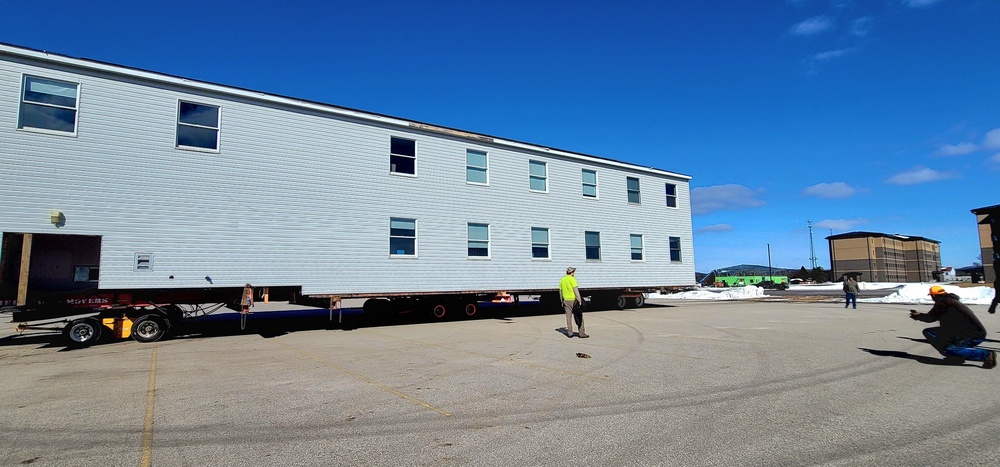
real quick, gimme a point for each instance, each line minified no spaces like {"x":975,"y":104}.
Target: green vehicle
{"x":767,"y":282}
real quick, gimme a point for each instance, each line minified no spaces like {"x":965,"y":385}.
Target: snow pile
{"x":917,"y":294}
{"x":726,"y":293}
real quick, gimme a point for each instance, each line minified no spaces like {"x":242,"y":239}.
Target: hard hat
{"x":937,"y":290}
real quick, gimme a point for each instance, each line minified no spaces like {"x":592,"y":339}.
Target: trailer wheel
{"x":149,"y":328}
{"x":439,"y":311}
{"x":471,"y":309}
{"x":640,"y":300}
{"x":622,"y":302}
{"x":83,"y":332}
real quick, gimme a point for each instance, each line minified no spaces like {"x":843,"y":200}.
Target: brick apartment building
{"x":880,"y":257}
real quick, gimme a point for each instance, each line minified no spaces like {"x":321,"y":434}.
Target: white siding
{"x":296,"y":196}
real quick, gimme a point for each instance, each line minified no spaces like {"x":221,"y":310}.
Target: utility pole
{"x":812,"y":247}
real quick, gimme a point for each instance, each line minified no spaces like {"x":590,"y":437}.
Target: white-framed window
{"x":671,"y":195}
{"x":592,"y":243}
{"x":479,"y":240}
{"x":477,"y":167}
{"x":197,"y":126}
{"x":589,"y":183}
{"x":632,"y":185}
{"x":402,"y":237}
{"x":402,"y":156}
{"x":49,"y":105}
{"x":538,"y":176}
{"x":675,"y":248}
{"x":143,"y":262}
{"x":635,"y":240}
{"x":539,"y":243}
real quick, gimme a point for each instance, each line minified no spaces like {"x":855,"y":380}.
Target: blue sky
{"x":875,"y":115}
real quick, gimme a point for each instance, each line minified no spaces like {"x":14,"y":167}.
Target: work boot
{"x":991,"y":360}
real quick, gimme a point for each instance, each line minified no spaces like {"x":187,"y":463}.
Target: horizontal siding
{"x":299,"y":198}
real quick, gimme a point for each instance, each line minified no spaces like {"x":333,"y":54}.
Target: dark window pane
{"x":49,"y":118}
{"x":197,"y":137}
{"x":196,"y":114}
{"x":401,"y":164}
{"x":593,"y":252}
{"x":637,"y":255}
{"x":539,"y":252}
{"x":50,"y":92}
{"x":402,"y":246}
{"x":474,"y":251}
{"x":404,"y":147}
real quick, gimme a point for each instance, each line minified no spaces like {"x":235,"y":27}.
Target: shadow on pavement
{"x":919,"y":358}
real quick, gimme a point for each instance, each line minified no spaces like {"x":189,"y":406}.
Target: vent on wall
{"x":143,"y":261}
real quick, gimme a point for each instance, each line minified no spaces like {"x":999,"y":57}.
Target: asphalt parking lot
{"x":673,"y":383}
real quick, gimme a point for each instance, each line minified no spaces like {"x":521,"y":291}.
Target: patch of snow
{"x":713,"y":293}
{"x":917,"y":294}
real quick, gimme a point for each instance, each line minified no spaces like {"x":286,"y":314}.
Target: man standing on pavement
{"x":571,"y":300}
{"x":850,"y":292}
{"x":960,"y":331}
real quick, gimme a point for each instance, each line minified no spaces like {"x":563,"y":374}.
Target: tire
{"x":439,"y":311}
{"x":149,"y":328}
{"x":622,"y":302}
{"x":471,"y":309}
{"x":83,"y":332}
{"x":640,"y":300}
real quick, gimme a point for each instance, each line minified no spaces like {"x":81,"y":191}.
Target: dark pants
{"x":850,"y":299}
{"x":956,"y":346}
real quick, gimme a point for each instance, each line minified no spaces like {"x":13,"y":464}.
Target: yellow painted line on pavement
{"x":369,"y":380}
{"x":147,"y":426}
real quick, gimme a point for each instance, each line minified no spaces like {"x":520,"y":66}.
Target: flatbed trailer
{"x":85,"y":317}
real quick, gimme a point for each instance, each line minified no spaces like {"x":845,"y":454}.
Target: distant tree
{"x":802,"y":274}
{"x":819,"y":275}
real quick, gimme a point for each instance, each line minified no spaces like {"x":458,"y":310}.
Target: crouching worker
{"x":960,"y":331}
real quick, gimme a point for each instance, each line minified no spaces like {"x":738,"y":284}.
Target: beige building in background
{"x":988,"y":219}
{"x":879,"y":257}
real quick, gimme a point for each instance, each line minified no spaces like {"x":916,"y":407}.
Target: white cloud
{"x":919,"y":174}
{"x":811,"y":26}
{"x":992,"y":139}
{"x":724,"y":198}
{"x":839,"y":224}
{"x":714,"y":228}
{"x":958,"y":149}
{"x":861,"y":26}
{"x":996,"y":158}
{"x":919,"y":3}
{"x":832,"y":54}
{"x":833,"y":190}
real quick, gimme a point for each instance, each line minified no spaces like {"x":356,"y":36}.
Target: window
{"x":197,"y":126}
{"x":539,"y":243}
{"x":402,"y":156}
{"x":675,"y":248}
{"x":589,"y":183}
{"x":592,"y":240}
{"x":47,"y":104}
{"x":402,"y":237}
{"x":538,"y":175}
{"x":671,"y":195}
{"x":636,"y":242}
{"x":476,"y":168}
{"x":479,"y":240}
{"x":86,"y":273}
{"x":143,"y":262}
{"x":632,"y":185}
